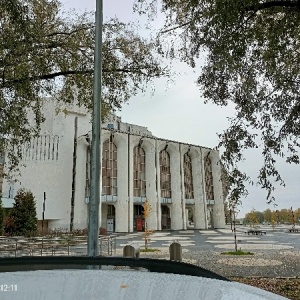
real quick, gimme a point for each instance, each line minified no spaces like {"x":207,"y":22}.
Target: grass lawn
{"x":149,"y":250}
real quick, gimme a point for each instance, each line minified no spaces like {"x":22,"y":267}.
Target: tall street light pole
{"x":93,"y":225}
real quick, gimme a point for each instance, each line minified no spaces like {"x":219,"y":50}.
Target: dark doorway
{"x":165,"y":217}
{"x":111,"y":218}
{"x":138,"y":218}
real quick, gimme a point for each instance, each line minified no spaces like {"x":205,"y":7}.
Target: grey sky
{"x":178,"y":112}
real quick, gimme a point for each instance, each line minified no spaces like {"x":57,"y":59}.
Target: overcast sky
{"x":178,"y":112}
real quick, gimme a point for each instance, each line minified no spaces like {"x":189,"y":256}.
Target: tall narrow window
{"x":139,"y":172}
{"x":209,"y":185}
{"x":165,"y":174}
{"x":188,"y":177}
{"x":109,"y":168}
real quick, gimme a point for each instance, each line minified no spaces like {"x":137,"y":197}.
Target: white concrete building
{"x":182,"y":182}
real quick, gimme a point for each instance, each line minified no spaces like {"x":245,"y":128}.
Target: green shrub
{"x":22,"y":219}
{"x":238,"y":252}
{"x":150,"y":250}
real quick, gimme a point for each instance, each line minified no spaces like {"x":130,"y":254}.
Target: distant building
{"x":182,"y":182}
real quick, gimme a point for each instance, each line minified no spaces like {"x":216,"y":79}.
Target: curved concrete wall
{"x":55,"y":177}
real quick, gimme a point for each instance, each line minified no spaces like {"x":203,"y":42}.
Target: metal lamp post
{"x":234,"y":229}
{"x":93,"y":224}
{"x":293,"y":217}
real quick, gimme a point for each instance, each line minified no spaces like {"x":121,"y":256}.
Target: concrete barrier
{"x":132,"y":251}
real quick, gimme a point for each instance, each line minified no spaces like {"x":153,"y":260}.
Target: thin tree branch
{"x":8,"y":83}
{"x":71,"y":32}
{"x":176,"y":27}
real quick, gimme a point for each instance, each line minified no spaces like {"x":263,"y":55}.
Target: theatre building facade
{"x":182,"y":182}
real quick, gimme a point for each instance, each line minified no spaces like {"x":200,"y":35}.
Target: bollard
{"x":132,"y":251}
{"x":175,"y":251}
{"x":16,"y":249}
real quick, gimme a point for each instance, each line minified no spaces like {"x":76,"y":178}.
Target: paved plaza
{"x":219,"y":239}
{"x":276,"y":254}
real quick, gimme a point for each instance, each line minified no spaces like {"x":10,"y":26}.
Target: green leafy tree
{"x":251,"y":218}
{"x":252,"y":58}
{"x":297,"y":215}
{"x":273,"y":219}
{"x":268,"y":215}
{"x":259,"y":216}
{"x":283,"y":215}
{"x":9,"y":227}
{"x":45,"y":51}
{"x":22,"y":219}
{"x":227,"y":213}
{"x":292,"y":217}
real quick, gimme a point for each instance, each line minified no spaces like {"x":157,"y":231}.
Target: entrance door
{"x":165,"y":217}
{"x":139,"y":224}
{"x":110,"y":225}
{"x":111,"y":218}
{"x":190,"y":217}
{"x":138,"y":218}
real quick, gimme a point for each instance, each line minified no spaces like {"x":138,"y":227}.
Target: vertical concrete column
{"x":130,"y":214}
{"x":149,"y":148}
{"x":122,"y":164}
{"x":105,"y":135}
{"x":176,"y":185}
{"x":218,"y":208}
{"x":158,"y":148}
{"x":182,"y":151}
{"x":80,"y":207}
{"x":132,"y":140}
{"x":104,"y":209}
{"x":203,"y":153}
{"x":199,"y":212}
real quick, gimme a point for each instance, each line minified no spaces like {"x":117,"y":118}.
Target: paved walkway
{"x":217,"y":240}
{"x":276,"y":254}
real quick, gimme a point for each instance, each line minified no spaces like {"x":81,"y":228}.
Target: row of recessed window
{"x":109,"y":173}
